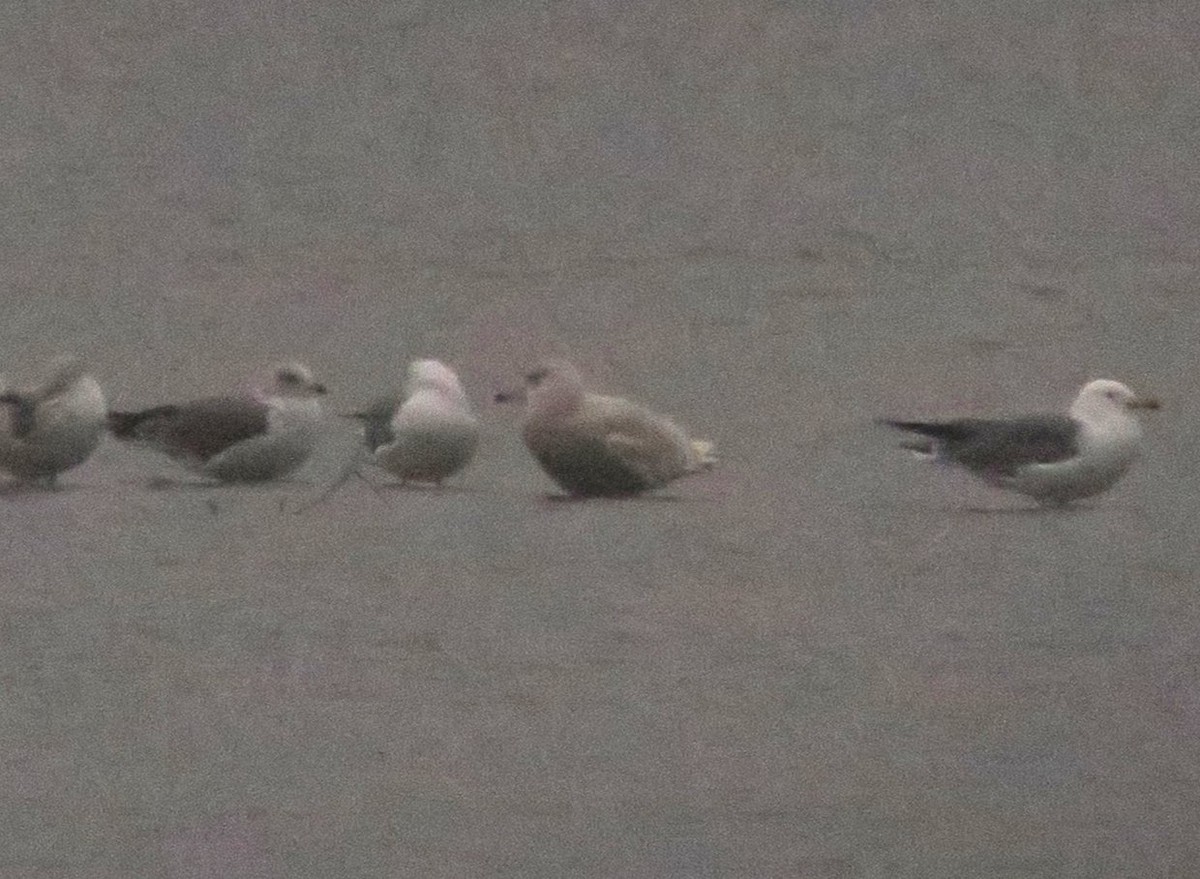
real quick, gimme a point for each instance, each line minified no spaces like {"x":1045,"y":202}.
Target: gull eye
{"x":288,"y":377}
{"x":536,"y":377}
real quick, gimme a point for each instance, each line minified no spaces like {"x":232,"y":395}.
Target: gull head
{"x":63,"y":372}
{"x":433,"y":375}
{"x":293,"y":379}
{"x":1104,"y":398}
{"x":553,"y":388}
{"x":554,"y":385}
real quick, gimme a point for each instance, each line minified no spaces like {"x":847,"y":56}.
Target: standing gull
{"x":264,"y":434}
{"x":431,"y":435}
{"x":594,"y":445}
{"x":52,"y":427}
{"x":1053,"y":459}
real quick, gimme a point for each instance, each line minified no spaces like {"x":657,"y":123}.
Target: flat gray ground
{"x":775,"y":221}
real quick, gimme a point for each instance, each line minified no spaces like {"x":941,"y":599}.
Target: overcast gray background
{"x":775,"y":221}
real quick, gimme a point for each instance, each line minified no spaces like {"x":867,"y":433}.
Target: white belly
{"x":1102,"y":461}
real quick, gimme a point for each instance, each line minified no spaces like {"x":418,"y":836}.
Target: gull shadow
{"x":16,"y":489}
{"x":1065,"y":510}
{"x":615,"y":499}
{"x":167,"y":483}
{"x":426,"y":488}
{"x":170,"y":483}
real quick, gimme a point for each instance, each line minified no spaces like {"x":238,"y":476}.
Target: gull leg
{"x":352,"y":468}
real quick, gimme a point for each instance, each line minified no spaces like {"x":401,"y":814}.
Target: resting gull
{"x":594,"y":445}
{"x":430,"y":435}
{"x":264,"y":434}
{"x":1054,"y":459}
{"x":52,"y":427}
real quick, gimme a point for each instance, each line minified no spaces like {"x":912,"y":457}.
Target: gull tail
{"x":704,"y":454}
{"x":24,"y":412}
{"x":927,"y":435}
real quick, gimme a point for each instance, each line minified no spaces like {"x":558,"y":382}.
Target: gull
{"x":1054,"y":459}
{"x":263,"y":434}
{"x":594,"y":445}
{"x":431,"y":435}
{"x":50,"y":428}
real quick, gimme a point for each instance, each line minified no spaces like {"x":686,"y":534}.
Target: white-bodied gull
{"x":595,"y":445}
{"x":1053,"y":459}
{"x":262,"y":434}
{"x":53,"y":426}
{"x":430,"y":435}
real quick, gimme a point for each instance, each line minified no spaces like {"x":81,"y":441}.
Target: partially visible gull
{"x":1053,"y":459}
{"x":428,"y":437}
{"x":594,"y":445}
{"x":52,"y":427}
{"x":263,"y":434}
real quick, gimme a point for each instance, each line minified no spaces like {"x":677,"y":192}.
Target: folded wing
{"x":1000,"y":445}
{"x":197,"y":431}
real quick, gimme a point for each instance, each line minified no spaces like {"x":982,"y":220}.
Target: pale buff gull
{"x":598,"y":445}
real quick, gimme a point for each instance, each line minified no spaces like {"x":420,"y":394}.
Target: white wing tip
{"x":920,"y":447}
{"x":704,"y":454}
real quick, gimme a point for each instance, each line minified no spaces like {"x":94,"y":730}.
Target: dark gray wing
{"x":198,"y":430}
{"x":377,"y":421}
{"x":24,"y":412}
{"x":1001,"y":445}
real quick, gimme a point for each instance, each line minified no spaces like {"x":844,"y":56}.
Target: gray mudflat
{"x":772,"y":222}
